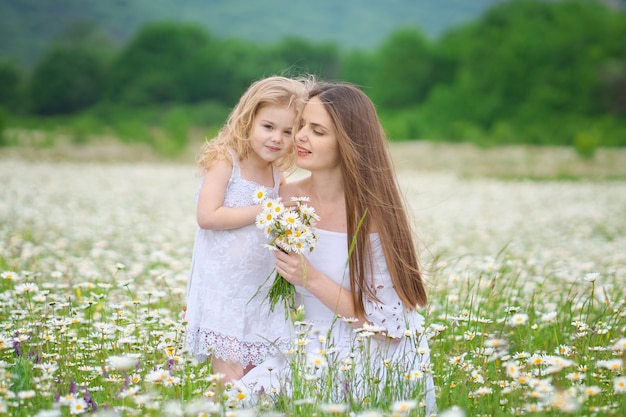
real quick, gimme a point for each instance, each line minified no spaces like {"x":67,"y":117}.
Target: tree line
{"x":527,"y":71}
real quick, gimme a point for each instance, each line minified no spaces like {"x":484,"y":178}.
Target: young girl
{"x":226,"y":321}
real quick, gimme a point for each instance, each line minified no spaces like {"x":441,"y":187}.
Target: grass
{"x":527,"y":312}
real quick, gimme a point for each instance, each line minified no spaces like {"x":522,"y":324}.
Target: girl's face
{"x":316,"y":140}
{"x":271,"y":133}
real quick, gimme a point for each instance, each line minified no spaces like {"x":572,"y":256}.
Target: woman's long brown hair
{"x":372,"y":195}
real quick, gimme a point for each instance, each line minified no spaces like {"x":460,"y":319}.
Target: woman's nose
{"x":300,"y":136}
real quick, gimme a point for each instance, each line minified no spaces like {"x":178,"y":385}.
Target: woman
{"x":362,"y":284}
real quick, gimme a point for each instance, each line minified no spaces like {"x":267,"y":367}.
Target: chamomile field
{"x":524,"y":250}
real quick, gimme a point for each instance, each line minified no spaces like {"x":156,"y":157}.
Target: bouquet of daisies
{"x":290,"y":229}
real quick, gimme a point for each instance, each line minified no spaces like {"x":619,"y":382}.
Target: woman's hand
{"x":297,"y":269}
{"x":294,"y":267}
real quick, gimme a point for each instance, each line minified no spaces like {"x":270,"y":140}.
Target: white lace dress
{"x":224,"y":317}
{"x":334,"y":344}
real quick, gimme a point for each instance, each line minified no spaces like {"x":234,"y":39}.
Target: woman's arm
{"x":211,"y":214}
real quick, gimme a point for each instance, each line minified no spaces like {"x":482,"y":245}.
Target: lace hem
{"x":206,"y":343}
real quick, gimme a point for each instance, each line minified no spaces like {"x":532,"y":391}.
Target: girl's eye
{"x":268,"y":126}
{"x":288,"y":132}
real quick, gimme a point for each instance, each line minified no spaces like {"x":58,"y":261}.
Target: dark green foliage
{"x":303,"y":57}
{"x":10,"y":80}
{"x":405,"y":70}
{"x":527,"y":71}
{"x":3,"y":123}
{"x":65,"y":81}
{"x":164,"y":63}
{"x":531,"y":71}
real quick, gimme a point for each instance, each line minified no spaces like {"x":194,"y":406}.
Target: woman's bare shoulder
{"x":293,"y":188}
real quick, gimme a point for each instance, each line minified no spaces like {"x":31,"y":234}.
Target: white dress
{"x":333,"y":343}
{"x":224,"y":317}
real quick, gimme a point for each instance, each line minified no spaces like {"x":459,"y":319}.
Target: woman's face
{"x":316,"y":139}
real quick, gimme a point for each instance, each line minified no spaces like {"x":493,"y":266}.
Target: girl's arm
{"x":211,"y":214}
{"x":296,"y":269}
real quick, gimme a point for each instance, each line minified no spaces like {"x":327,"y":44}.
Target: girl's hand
{"x":294,"y":267}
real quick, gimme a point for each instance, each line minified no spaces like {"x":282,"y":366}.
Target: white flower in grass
{"x":469,"y":335}
{"x":512,"y":369}
{"x":477,"y":377}
{"x":549,"y":317}
{"x":370,"y":413}
{"x":416,"y":374}
{"x":564,"y":350}
{"x":452,"y":412}
{"x":592,"y":390}
{"x":317,"y":361}
{"x":495,"y":343}
{"x":592,"y":276}
{"x":28,"y":287}
{"x":333,"y":408}
{"x":9,"y":276}
{"x":482,"y":391}
{"x":49,"y":413}
{"x":78,"y":406}
{"x":158,"y":376}
{"x":349,"y":320}
{"x":122,"y":363}
{"x":536,"y":359}
{"x":173,"y":408}
{"x":66,"y":399}
{"x":518,"y":319}
{"x":533,"y":407}
{"x":373,"y":328}
{"x":576,"y":376}
{"x":620,"y":345}
{"x":619,"y":385}
{"x":565,"y":401}
{"x":202,"y":407}
{"x":25,"y":395}
{"x":403,"y":406}
{"x":611,"y":364}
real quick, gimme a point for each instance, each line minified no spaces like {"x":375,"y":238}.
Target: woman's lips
{"x":303,"y":151}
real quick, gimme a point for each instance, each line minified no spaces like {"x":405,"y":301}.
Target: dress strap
{"x":236,"y":169}
{"x":276,"y":177}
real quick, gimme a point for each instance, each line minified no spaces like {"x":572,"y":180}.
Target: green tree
{"x":239,"y":63}
{"x":165,"y":63}
{"x":404,"y":72}
{"x":300,"y":56}
{"x":10,"y":81}
{"x":532,"y":63}
{"x":66,"y":80}
{"x":358,"y":67}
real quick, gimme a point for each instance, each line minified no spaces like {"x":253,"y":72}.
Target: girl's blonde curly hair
{"x":274,"y":90}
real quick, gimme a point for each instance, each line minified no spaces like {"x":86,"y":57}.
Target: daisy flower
{"x":518,"y":319}
{"x":403,"y":406}
{"x":78,"y":406}
{"x":619,"y":385}
{"x":260,"y":194}
{"x":611,"y":365}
